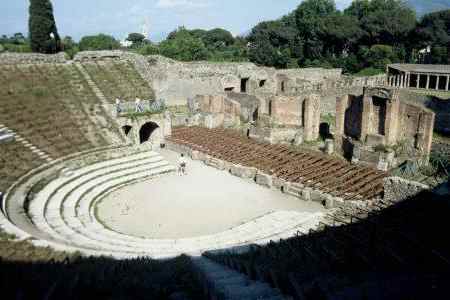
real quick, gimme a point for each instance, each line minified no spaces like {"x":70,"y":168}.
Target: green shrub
{"x":369,"y":72}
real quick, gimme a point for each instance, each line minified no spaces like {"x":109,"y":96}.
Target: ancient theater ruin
{"x":271,"y":156}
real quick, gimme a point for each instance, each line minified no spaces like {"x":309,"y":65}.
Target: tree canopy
{"x":98,"y":42}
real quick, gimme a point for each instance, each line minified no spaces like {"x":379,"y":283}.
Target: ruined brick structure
{"x":379,"y":128}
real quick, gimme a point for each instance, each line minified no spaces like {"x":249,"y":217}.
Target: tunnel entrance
{"x":146,"y":131}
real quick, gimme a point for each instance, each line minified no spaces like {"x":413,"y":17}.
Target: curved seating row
{"x":64,"y":211}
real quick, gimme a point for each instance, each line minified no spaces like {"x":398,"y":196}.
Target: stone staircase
{"x":7,"y":135}
{"x":220,"y":282}
{"x":116,"y":138}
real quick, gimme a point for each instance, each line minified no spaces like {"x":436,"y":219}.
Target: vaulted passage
{"x":244,"y":85}
{"x":146,"y":131}
{"x":126,"y":129}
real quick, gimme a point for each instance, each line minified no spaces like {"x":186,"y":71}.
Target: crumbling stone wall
{"x":214,"y":111}
{"x":32,"y":58}
{"x":379,"y":118}
{"x":286,"y":110}
{"x":311,"y":118}
{"x":398,"y":189}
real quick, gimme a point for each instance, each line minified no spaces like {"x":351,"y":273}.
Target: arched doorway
{"x":146,"y":131}
{"x":127,"y":129}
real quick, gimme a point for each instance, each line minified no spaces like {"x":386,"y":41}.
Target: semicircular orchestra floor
{"x":130,"y":202}
{"x":203,"y":202}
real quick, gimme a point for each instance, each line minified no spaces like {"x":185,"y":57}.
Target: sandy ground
{"x":206,"y":201}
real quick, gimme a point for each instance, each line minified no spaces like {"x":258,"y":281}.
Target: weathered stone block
{"x":306,"y":194}
{"x":317,"y":196}
{"x":264,"y":180}
{"x":214,"y":162}
{"x":279,"y":183}
{"x":197,"y":155}
{"x":329,"y":146}
{"x":338,"y":202}
{"x":329,"y":202}
{"x":243,"y":172}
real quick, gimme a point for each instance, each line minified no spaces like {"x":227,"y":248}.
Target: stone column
{"x":366,"y":117}
{"x":438,"y":78}
{"x":392,"y":120}
{"x":402,"y":81}
{"x":408,"y":81}
{"x":448,"y":83}
{"x":425,"y":133}
{"x":428,"y":82}
{"x":342,"y":104}
{"x":312,"y":118}
{"x":418,"y":81}
{"x":341,"y":107}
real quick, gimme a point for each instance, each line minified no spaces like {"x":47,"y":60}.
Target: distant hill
{"x":425,"y":6}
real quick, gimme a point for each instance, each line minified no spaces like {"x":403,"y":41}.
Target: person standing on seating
{"x":118,"y":106}
{"x":138,"y":106}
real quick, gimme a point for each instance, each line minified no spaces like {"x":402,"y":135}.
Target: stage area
{"x":205,"y":201}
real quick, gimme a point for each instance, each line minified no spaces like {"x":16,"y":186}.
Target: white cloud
{"x":182,"y":3}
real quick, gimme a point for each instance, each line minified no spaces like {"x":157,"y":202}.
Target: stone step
{"x":91,"y":179}
{"x":6,"y":138}
{"x":73,"y":227}
{"x":225,"y":283}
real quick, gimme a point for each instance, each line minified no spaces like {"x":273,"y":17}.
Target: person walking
{"x":182,"y":165}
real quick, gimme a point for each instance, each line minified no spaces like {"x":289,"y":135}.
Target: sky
{"x":77,"y":18}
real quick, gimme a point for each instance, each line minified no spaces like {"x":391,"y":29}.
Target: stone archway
{"x":127,"y":129}
{"x":146,"y":132}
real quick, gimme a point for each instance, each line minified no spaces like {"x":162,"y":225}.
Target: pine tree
{"x":44,"y":36}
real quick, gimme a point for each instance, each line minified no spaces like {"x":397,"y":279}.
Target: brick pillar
{"x":366,"y":117}
{"x":425,"y":133}
{"x":312,"y":118}
{"x":392,"y":119}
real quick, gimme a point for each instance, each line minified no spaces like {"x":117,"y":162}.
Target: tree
{"x":433,"y":29}
{"x":183,"y":46}
{"x":44,"y":36}
{"x":311,"y":19}
{"x":218,"y":35}
{"x":383,"y":21}
{"x":136,"y":38}
{"x":98,"y":42}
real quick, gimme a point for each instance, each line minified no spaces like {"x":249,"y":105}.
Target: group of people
{"x":138,"y":107}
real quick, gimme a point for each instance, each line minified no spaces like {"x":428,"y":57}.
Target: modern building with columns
{"x":429,"y":77}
